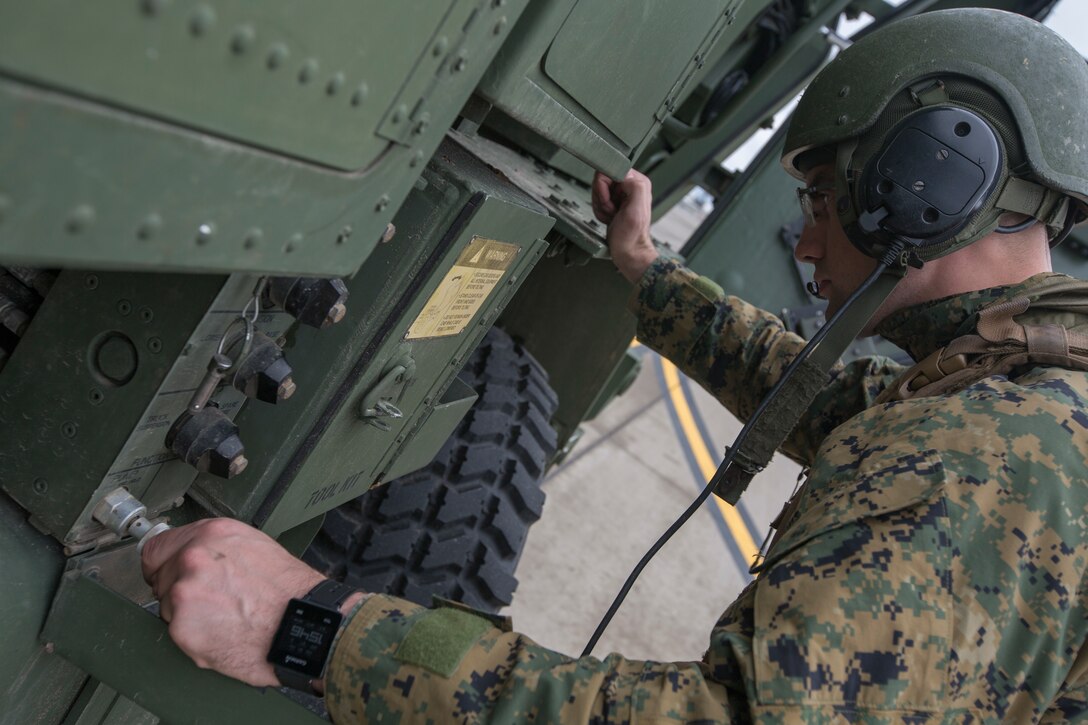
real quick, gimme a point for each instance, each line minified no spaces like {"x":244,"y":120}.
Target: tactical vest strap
{"x":1001,"y":344}
{"x":1026,"y":197}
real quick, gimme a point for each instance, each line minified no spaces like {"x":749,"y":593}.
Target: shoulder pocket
{"x":853,"y":608}
{"x":878,"y":488}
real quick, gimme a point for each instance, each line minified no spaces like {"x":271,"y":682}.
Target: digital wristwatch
{"x":306,"y":633}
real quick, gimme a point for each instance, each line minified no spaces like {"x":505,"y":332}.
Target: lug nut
{"x":264,"y":374}
{"x":208,"y":440}
{"x":314,"y":302}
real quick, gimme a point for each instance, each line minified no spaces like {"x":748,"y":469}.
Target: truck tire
{"x":456,"y":528}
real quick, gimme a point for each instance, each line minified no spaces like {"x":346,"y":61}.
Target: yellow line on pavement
{"x":707,"y":466}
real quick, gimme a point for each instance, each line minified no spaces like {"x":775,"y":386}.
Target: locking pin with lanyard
{"x":204,"y":436}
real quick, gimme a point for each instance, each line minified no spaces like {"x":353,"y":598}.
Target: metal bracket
{"x":379,"y":405}
{"x":128,"y":648}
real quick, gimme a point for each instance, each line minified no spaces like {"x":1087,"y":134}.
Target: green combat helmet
{"x":898,"y":114}
{"x":937,"y":125}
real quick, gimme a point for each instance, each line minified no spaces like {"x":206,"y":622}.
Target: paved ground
{"x":638,"y":467}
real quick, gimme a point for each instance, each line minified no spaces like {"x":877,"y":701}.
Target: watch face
{"x":304,"y":638}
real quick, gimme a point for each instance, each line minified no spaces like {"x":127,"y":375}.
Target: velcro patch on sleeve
{"x":708,"y":288}
{"x":440,"y":639}
{"x":500,"y":621}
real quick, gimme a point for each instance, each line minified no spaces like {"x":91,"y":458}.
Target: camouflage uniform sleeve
{"x":737,"y":352}
{"x":398,"y":662}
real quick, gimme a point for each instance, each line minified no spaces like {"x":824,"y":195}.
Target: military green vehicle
{"x":334,"y":272}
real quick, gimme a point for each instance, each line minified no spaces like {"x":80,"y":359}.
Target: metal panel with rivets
{"x":317,"y":451}
{"x":596,"y":77}
{"x":225,"y":136}
{"x":79,"y":382}
{"x":113,"y":359}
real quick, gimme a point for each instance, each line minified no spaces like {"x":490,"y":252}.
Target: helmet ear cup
{"x":934,"y":173}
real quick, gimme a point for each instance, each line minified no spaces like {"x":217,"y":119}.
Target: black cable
{"x":1072,"y":218}
{"x":1017,"y":227}
{"x":888,"y":259}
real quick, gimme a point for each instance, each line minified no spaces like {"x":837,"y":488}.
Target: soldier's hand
{"x":625,"y":207}
{"x":223,"y":587}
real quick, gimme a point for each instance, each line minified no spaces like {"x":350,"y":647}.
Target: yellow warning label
{"x":463,"y":290}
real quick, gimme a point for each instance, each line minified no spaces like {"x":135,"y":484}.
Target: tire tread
{"x":456,"y":528}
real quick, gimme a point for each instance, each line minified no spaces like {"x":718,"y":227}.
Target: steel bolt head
{"x":273,"y":384}
{"x":228,"y":459}
{"x":237,"y":465}
{"x":336,"y":314}
{"x":264,"y":374}
{"x":314,"y":302}
{"x":117,"y":510}
{"x":335,"y":84}
{"x":277,"y":56}
{"x":202,"y":21}
{"x":243,"y":38}
{"x":207,"y":440}
{"x":204,"y":233}
{"x":360,"y":94}
{"x":388,"y":234}
{"x":308,"y":71}
{"x":252,"y":238}
{"x":286,"y":389}
{"x":152,"y":8}
{"x":149,"y":227}
{"x":80,"y":218}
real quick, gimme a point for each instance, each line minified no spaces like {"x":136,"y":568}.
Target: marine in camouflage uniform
{"x":933,"y":570}
{"x":932,"y":567}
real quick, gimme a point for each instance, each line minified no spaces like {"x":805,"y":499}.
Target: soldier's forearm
{"x":448,"y":665}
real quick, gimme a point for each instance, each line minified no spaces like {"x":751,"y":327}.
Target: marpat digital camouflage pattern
{"x":933,"y":570}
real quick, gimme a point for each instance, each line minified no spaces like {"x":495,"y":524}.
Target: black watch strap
{"x":328,"y":594}
{"x":295,"y":680}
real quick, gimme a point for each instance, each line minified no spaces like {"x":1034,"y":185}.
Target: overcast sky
{"x":1070,"y":18}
